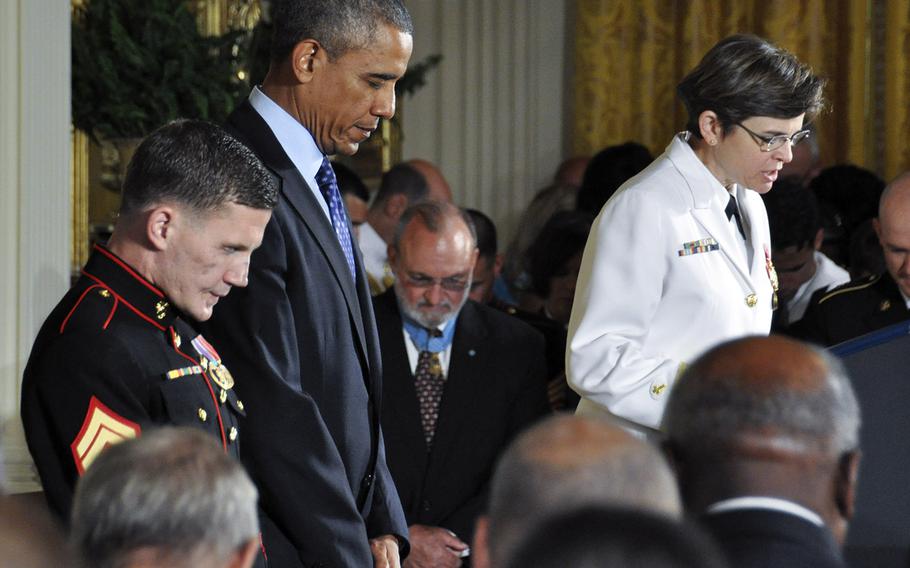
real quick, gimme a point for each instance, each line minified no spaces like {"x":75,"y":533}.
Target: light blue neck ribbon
{"x":423,"y":338}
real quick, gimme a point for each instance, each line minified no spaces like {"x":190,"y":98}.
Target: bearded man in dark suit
{"x":460,"y":380}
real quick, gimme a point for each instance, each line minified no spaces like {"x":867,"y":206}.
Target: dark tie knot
{"x":732,"y":212}
{"x":731,"y":209}
{"x":325,"y":177}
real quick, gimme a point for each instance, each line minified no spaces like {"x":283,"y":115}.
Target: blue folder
{"x":879,"y":366}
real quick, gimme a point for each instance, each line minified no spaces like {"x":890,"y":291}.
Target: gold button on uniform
{"x":202,"y":414}
{"x":240,"y":405}
{"x":223,"y":396}
{"x":232,"y":434}
{"x":751,"y":300}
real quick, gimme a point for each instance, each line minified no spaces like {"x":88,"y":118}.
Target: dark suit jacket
{"x":852,"y":310}
{"x":495,"y":387}
{"x":757,"y":538}
{"x":304,"y":350}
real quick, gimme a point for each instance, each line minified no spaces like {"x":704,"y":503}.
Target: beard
{"x":426,"y":315}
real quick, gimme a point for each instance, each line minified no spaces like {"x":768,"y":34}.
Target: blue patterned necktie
{"x":328,"y":185}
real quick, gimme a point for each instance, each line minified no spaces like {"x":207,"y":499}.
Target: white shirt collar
{"x":296,"y":141}
{"x":766,"y":503}
{"x":414,"y":354}
{"x":904,"y":296}
{"x":374,"y":249}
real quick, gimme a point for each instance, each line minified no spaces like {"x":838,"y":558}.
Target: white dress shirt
{"x":827,"y":275}
{"x":766,"y":503}
{"x":375,"y":254}
{"x":295,"y":140}
{"x":414,"y":354}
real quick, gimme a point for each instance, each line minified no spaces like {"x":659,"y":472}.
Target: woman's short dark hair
{"x":745,"y":76}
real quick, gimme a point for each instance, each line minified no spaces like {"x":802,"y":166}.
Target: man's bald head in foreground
{"x":766,"y":416}
{"x":565,"y":462}
{"x":893,"y":229}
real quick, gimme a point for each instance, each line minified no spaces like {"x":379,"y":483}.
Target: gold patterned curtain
{"x":630,"y":54}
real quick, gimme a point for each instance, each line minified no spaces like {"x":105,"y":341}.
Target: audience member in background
{"x":764,"y":433}
{"x":489,"y":260}
{"x":31,"y":538}
{"x":612,"y":537}
{"x":554,"y":262}
{"x":607,"y":170}
{"x":117,"y":355}
{"x":460,"y":380}
{"x":356,"y":195}
{"x":866,"y":255}
{"x":439,"y":187}
{"x":796,"y":237}
{"x":863,"y":306}
{"x":563,"y":463}
{"x":554,"y":332}
{"x":847,"y":197}
{"x":403,"y":185}
{"x":806,"y":163}
{"x":170,"y":499}
{"x":680,"y":258}
{"x":571,"y":171}
{"x":545,"y":203}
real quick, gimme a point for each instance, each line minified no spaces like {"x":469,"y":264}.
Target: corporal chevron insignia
{"x":101,"y":428}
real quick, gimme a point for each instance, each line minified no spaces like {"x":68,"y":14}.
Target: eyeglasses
{"x":449,"y":283}
{"x":771,"y":143}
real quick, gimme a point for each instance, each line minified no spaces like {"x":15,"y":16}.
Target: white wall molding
{"x":492,"y":114}
{"x":34,"y":199}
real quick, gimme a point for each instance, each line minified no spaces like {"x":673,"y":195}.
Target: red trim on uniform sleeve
{"x":76,"y":305}
{"x":208,"y":383}
{"x":102,"y":427}
{"x":127,"y":304}
{"x":110,"y":316}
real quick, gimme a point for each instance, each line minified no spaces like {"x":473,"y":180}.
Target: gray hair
{"x":435,"y":216}
{"x":568,"y":461}
{"x":338,"y":25}
{"x":713,"y":409}
{"x":174,"y":491}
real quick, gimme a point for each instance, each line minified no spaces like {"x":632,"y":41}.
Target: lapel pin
{"x":471,"y":353}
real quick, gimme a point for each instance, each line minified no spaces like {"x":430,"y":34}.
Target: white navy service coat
{"x":664,"y":278}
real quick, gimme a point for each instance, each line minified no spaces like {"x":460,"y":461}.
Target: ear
{"x":306,"y":57}
{"x":845,"y":484}
{"x":819,"y":239}
{"x":245,"y":556}
{"x":159,"y":226}
{"x":480,"y":550}
{"x":395,"y":205}
{"x":710,"y":127}
{"x":392,"y":253}
{"x":474,"y":255}
{"x":498,"y":261}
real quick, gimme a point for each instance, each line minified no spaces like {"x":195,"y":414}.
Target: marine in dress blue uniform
{"x":113,"y":359}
